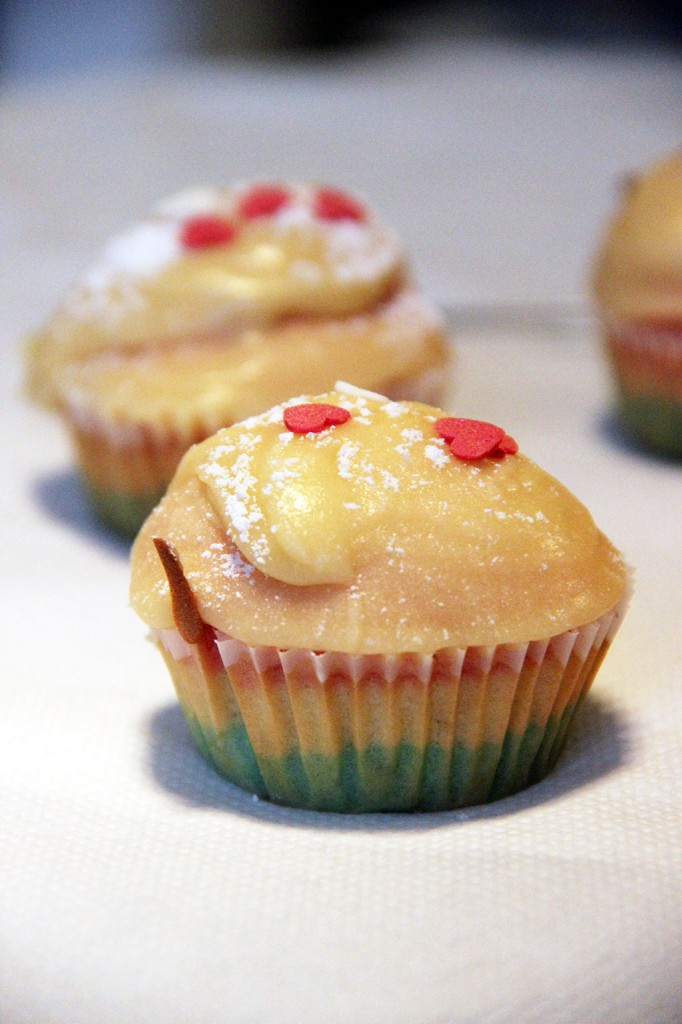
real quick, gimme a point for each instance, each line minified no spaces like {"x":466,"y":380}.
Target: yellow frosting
{"x":638,"y":271}
{"x":371,"y":537}
{"x":147,"y":290}
{"x":212,"y":384}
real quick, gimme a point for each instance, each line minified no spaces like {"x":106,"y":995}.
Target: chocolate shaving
{"x":185,"y":609}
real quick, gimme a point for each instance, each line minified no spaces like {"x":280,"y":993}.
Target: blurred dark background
{"x":55,"y":37}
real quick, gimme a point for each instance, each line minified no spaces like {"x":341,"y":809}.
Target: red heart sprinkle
{"x":330,"y":204}
{"x":262,"y":201}
{"x":202,"y":232}
{"x":469,"y":439}
{"x":313,"y":417}
{"x":447,"y":427}
{"x":508,"y":445}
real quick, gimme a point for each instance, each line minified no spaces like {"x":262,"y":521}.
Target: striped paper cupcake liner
{"x":126,"y":467}
{"x":338,"y":732}
{"x":646,"y":361}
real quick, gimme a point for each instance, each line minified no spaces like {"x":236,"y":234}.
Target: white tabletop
{"x":135,"y":884}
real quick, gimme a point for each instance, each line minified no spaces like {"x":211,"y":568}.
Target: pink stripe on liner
{"x":646,"y":359}
{"x":653,"y":337}
{"x":171,"y":640}
{"x":580,"y":642}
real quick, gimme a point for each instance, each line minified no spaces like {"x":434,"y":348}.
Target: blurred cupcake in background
{"x":221,"y":303}
{"x":637,"y":286}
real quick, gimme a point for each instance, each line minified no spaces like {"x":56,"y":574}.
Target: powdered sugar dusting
{"x":345,"y":457}
{"x":437,"y":454}
{"x":410,"y":436}
{"x":230,"y":563}
{"x":394,"y":409}
{"x":390,"y":482}
{"x":144,"y":250}
{"x":191,"y":202}
{"x":298,"y":213}
{"x":236,"y":486}
{"x":356,"y":252}
{"x":110,"y":289}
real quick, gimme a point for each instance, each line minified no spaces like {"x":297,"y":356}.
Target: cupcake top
{"x":638,"y":271}
{"x":348,"y":522}
{"x":211,"y":260}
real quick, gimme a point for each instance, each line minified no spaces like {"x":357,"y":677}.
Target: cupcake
{"x":367,"y":605}
{"x":219,"y":305}
{"x":637,"y":285}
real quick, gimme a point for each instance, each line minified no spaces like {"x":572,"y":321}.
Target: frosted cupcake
{"x":222,"y":303}
{"x":366,"y":605}
{"x":638,"y":289}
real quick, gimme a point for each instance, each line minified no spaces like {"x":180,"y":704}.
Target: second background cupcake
{"x":221,"y":303}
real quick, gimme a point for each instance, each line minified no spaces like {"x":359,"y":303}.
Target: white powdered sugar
{"x":437,"y":454}
{"x":410,"y":436}
{"x":230,"y":563}
{"x":235,"y":487}
{"x":297,"y":213}
{"x":390,"y":482}
{"x":145,"y":250}
{"x":358,"y":253}
{"x":191,"y":202}
{"x":141,"y":252}
{"x":345,"y":457}
{"x":394,"y":409}
{"x":109,"y":289}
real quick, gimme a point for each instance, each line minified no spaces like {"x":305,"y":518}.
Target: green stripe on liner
{"x":123,"y":511}
{"x":515,"y":768}
{"x":380,"y":778}
{"x":230,"y":753}
{"x":658,"y":421}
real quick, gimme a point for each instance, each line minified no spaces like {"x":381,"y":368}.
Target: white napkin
{"x":138,"y":886}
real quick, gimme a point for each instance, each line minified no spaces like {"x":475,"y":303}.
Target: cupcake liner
{"x":646,"y":360}
{"x":127,"y":467}
{"x":339,"y":732}
{"x":647,"y":357}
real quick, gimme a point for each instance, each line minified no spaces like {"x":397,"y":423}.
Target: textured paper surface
{"x":137,"y":887}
